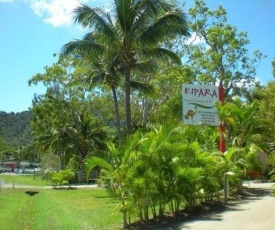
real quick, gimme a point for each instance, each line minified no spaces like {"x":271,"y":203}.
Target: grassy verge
{"x":59,"y":209}
{"x":12,"y":211}
{"x":21,"y":179}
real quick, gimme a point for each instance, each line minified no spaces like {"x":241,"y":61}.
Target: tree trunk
{"x":128,"y":99}
{"x":62,"y":157}
{"x":145,"y":110}
{"x":124,"y":212}
{"x":116,"y":114}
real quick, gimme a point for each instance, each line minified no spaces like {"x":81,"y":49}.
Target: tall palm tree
{"x":100,"y":71}
{"x":134,"y":32}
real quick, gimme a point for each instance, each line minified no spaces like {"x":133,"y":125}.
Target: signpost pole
{"x":222,"y":125}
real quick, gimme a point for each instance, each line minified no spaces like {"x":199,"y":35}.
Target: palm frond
{"x":162,"y":54}
{"x":93,"y":161}
{"x":82,"y":46}
{"x":95,"y":18}
{"x":145,"y":88}
{"x":232,"y":152}
{"x":170,"y":25}
{"x":125,"y":14}
{"x":146,"y":66}
{"x":272,"y":147}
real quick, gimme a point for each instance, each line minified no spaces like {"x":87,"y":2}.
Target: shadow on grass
{"x":65,"y":188}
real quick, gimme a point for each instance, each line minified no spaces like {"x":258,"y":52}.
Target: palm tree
{"x":116,"y":170}
{"x":134,"y":33}
{"x":99,"y":70}
{"x":245,"y":123}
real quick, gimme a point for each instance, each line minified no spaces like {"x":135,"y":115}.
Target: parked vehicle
{"x":31,"y":170}
{"x":5,"y":169}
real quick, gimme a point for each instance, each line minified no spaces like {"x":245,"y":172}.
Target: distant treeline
{"x":15,"y":128}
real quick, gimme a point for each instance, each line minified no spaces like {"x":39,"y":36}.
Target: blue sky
{"x":31,"y":31}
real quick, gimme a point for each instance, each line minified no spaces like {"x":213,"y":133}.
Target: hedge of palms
{"x":167,"y":169}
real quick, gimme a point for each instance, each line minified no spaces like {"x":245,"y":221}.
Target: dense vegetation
{"x":113,"y":100}
{"x":15,"y":128}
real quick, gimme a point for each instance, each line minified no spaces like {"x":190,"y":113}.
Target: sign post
{"x":199,"y":107}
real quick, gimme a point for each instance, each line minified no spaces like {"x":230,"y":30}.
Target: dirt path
{"x":254,"y":212}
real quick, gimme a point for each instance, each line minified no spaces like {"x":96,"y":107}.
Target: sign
{"x":199,"y":104}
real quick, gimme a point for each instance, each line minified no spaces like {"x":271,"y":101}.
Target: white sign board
{"x":198,"y":104}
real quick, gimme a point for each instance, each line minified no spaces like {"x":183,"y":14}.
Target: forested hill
{"x":15,"y":128}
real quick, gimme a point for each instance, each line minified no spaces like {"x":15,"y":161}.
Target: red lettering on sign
{"x":201,"y":92}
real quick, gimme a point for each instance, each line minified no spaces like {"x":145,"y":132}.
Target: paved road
{"x":256,"y":212}
{"x":6,"y":185}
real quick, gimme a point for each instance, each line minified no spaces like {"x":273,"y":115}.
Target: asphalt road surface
{"x":254,"y":212}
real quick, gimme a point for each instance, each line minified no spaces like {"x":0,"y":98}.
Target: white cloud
{"x":195,"y":39}
{"x":55,"y":12}
{"x":58,"y":12}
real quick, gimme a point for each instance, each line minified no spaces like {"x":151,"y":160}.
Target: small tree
{"x":49,"y":162}
{"x":63,"y":177}
{"x":218,"y":53}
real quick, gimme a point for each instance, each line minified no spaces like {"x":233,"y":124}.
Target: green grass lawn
{"x":56,"y":209}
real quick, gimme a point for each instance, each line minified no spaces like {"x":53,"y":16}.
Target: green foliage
{"x":273,"y":190}
{"x":271,"y":161}
{"x":135,"y":43}
{"x":62,"y":177}
{"x":159,"y":169}
{"x":167,"y":105}
{"x":65,"y":123}
{"x":245,"y":137}
{"x":265,"y":96}
{"x":243,"y":163}
{"x":245,"y":123}
{"x":15,"y":128}
{"x":15,"y":136}
{"x":4,"y":147}
{"x":218,"y":53}
{"x":49,"y":162}
{"x":175,"y":166}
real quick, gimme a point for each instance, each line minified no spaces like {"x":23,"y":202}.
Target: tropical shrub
{"x":271,"y":161}
{"x":63,"y":177}
{"x":159,"y":170}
